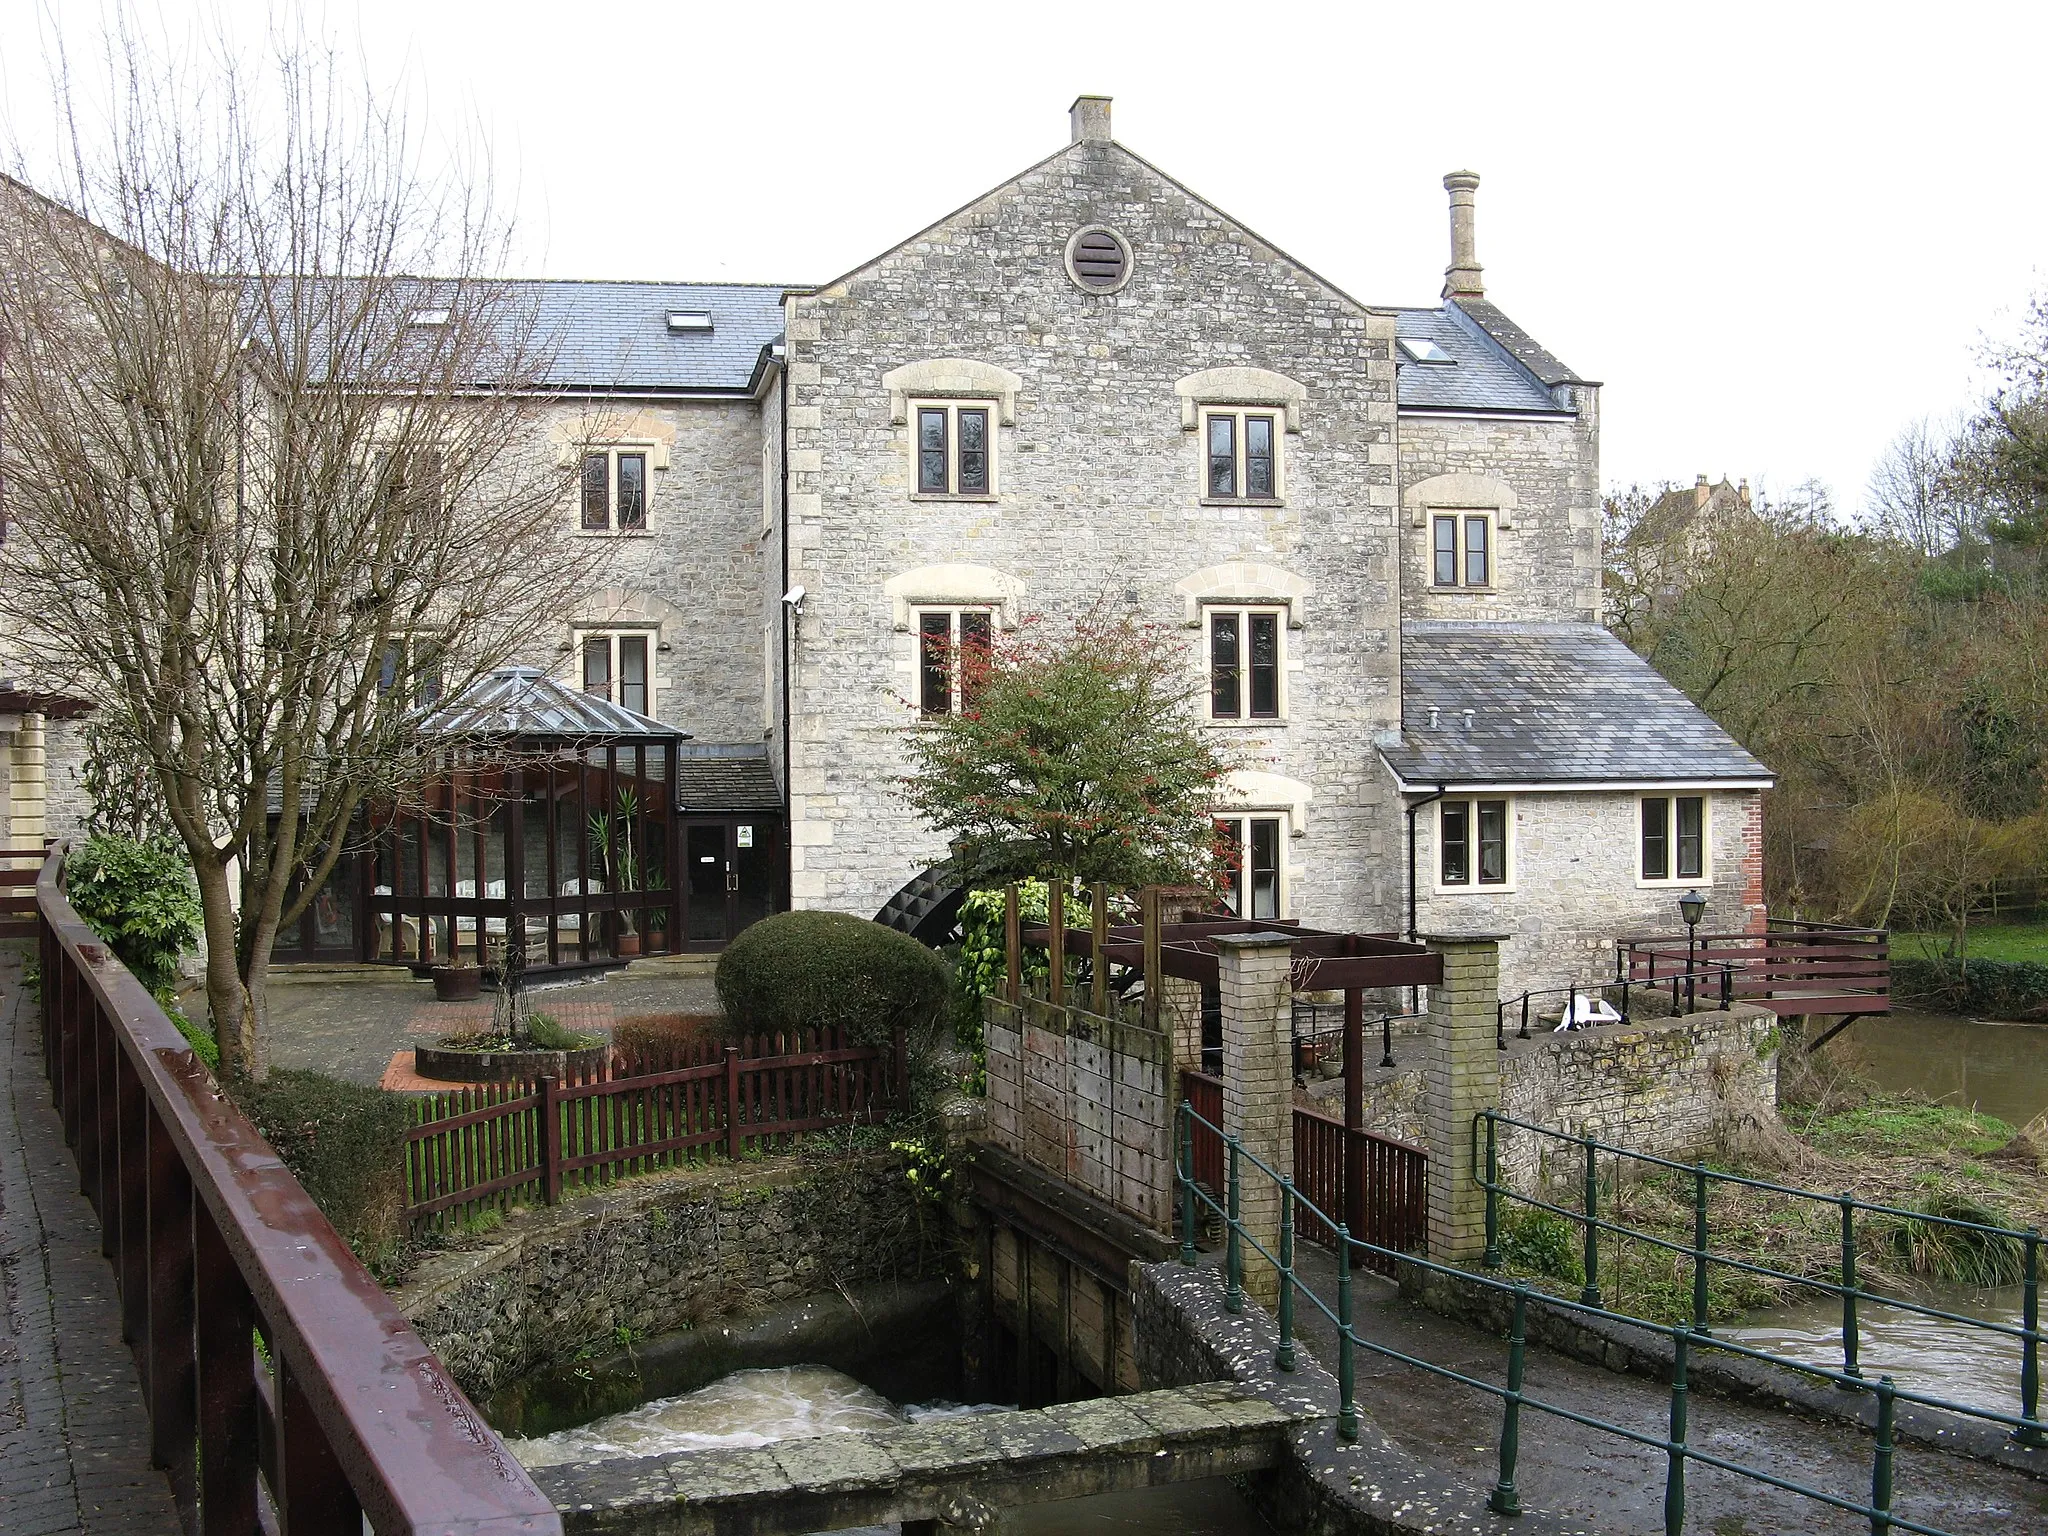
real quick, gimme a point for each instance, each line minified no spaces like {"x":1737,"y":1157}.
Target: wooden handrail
{"x":209,"y":1235}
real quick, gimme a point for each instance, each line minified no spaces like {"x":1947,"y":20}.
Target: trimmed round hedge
{"x":797,"y":970}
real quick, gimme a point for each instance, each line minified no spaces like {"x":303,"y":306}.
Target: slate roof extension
{"x":1551,"y":704}
{"x":719,"y":780}
{"x":616,"y":335}
{"x":1482,"y":375}
{"x":526,"y":702}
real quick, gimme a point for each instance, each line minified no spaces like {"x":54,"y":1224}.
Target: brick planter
{"x":453,"y":1066}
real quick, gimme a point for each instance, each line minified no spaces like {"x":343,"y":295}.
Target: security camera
{"x":794,"y":598}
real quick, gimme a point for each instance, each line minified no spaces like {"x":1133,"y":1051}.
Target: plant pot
{"x":456,"y":983}
{"x":628,"y":945}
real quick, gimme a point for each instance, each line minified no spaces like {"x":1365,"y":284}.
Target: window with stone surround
{"x":954,"y":447}
{"x":1245,"y":663}
{"x":1475,"y":844}
{"x":1248,"y":849}
{"x":612,"y":490}
{"x":1240,"y":454}
{"x":952,"y":657}
{"x":1672,"y":839}
{"x":1461,"y":550}
{"x":617,"y":664}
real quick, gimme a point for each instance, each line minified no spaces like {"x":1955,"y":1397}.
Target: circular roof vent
{"x":1098,"y":259}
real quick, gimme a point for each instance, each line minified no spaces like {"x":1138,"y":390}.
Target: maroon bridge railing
{"x":495,"y":1145}
{"x":1390,"y":1207}
{"x":1801,"y":967}
{"x":342,"y":1412}
{"x":19,"y":869}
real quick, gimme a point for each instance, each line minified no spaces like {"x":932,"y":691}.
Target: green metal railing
{"x":1504,"y":1497}
{"x":2028,"y":1427}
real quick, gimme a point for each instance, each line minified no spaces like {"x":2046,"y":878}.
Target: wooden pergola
{"x":1323,"y":961}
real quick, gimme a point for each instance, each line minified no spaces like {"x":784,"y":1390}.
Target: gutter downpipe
{"x":1415,"y":993}
{"x":782,"y":518}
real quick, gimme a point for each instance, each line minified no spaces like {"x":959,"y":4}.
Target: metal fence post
{"x":2030,"y":1346}
{"x":1347,"y":1406}
{"x":1491,"y":1257}
{"x":1233,"y":1245}
{"x":1386,"y":1039}
{"x":1283,"y":1358}
{"x":1525,"y":1018}
{"x":1881,"y":1462}
{"x":1699,"y":1246}
{"x":1187,"y":1183}
{"x":1590,"y":1294}
{"x":1727,"y":987}
{"x":1504,"y":1500}
{"x":1674,"y":1468}
{"x":1849,"y":1339}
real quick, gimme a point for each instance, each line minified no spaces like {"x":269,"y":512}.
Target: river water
{"x":801,"y":1401}
{"x":1998,"y":1068}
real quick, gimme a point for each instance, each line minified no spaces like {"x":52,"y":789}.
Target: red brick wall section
{"x":1753,"y":860}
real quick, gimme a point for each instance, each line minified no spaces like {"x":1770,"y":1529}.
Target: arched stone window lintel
{"x":1239,"y":386}
{"x":1242,"y":581}
{"x":1461,"y":493}
{"x":953,"y":586}
{"x":951,"y":378}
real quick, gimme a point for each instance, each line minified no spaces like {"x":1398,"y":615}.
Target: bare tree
{"x":268,"y":489}
{"x":1913,"y":496}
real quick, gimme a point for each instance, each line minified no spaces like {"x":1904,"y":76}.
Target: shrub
{"x":983,"y":966}
{"x":1542,"y":1243}
{"x":140,"y":898}
{"x":2010,"y":989}
{"x":345,"y":1143}
{"x":797,"y":970}
{"x":656,"y":1042}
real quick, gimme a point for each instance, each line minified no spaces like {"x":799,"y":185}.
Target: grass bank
{"x":2010,"y":941}
{"x":1834,"y":1135}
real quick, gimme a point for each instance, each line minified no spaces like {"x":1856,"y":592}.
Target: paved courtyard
{"x":73,"y":1438}
{"x":350,"y":1023}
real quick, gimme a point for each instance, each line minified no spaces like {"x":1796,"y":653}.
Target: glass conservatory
{"x":548,"y":821}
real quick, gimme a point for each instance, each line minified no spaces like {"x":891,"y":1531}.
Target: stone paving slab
{"x":73,"y":1435}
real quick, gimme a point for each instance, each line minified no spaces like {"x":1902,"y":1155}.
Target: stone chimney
{"x":1089,"y":118}
{"x":1700,"y":493}
{"x":1742,"y":490}
{"x":1461,"y":277}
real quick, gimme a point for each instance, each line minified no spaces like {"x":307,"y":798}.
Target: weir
{"x":931,"y":1475}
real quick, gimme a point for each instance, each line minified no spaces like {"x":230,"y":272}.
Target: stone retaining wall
{"x":1662,"y":1086}
{"x":665,"y":1252}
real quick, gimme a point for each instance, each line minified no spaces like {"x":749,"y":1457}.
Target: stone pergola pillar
{"x":1254,"y":970}
{"x":1463,"y":1078}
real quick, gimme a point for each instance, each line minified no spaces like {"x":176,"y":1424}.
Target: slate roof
{"x":616,"y":335}
{"x":1551,"y":704}
{"x":1483,"y":375}
{"x":525,"y":701}
{"x":720,"y":782}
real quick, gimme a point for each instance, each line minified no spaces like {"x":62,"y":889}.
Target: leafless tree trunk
{"x":263,"y":480}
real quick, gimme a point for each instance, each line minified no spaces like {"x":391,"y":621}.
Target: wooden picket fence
{"x":495,"y":1145}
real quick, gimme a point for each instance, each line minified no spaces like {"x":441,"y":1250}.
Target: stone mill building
{"x":1377,"y":527}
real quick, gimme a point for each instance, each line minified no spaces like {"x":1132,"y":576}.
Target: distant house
{"x":1680,"y":528}
{"x":1378,"y":528}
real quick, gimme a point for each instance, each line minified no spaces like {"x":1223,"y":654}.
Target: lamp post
{"x":1692,"y":906}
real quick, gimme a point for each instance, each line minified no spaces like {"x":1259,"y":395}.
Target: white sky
{"x":1776,"y":232}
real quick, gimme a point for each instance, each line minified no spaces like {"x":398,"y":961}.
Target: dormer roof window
{"x":428,"y":317}
{"x":689,"y":320}
{"x":1419,"y":349}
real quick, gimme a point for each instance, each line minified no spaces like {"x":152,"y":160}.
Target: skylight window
{"x":1421,"y":350}
{"x":689,"y":319}
{"x":428,"y":317}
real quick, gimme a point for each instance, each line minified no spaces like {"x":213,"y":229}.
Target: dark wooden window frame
{"x":1455,"y":563}
{"x":1256,"y":843}
{"x":1228,"y":474}
{"x":953,"y":469}
{"x":1242,"y":684}
{"x":1671,"y":838}
{"x":944,"y":636}
{"x":1475,"y":843}
{"x":607,"y":503}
